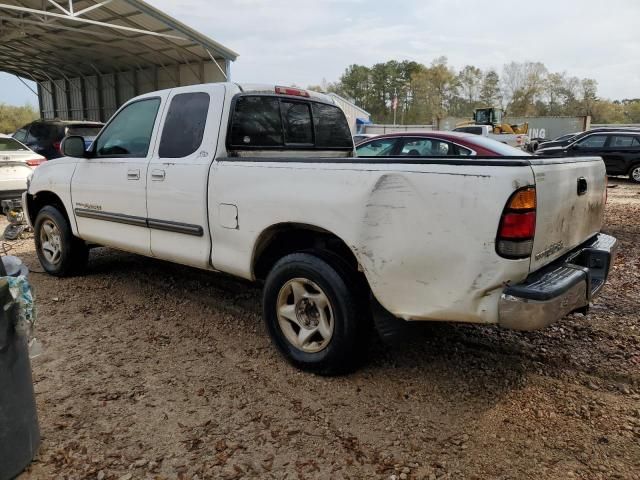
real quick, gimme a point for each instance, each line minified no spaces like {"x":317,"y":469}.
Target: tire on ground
{"x":634,"y":173}
{"x":73,"y":252}
{"x":348,"y":311}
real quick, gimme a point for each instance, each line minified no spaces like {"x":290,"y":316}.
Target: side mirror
{"x":73,"y":146}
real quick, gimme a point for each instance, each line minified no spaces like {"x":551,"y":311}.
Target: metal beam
{"x":47,"y":13}
{"x":217,"y":65}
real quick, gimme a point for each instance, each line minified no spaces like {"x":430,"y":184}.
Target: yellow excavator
{"x":493,"y":117}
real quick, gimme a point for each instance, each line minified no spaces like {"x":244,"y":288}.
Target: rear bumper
{"x":11,"y":194}
{"x":566,"y":285}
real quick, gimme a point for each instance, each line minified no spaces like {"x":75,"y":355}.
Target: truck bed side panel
{"x":423,"y":234}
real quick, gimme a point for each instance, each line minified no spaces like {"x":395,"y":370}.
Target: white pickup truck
{"x":262,"y":183}
{"x":517,"y":140}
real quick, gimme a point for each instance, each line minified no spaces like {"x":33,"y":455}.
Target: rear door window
{"x":622,"y":141}
{"x":184,"y":125}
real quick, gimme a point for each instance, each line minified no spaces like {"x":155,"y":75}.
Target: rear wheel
{"x":314,"y":313}
{"x":634,"y":173}
{"x":60,"y":253}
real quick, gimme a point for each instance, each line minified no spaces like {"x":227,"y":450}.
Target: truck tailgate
{"x":570,"y":205}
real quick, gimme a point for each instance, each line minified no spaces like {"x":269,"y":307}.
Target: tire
{"x":634,"y":173}
{"x":60,"y":253}
{"x":315,"y":313}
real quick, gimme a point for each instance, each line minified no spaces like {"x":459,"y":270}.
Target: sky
{"x":303,"y":42}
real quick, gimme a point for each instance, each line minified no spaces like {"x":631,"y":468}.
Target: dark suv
{"x":44,"y":136}
{"x":620,"y":151}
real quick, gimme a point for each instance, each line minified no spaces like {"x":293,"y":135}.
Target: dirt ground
{"x":152,"y":370}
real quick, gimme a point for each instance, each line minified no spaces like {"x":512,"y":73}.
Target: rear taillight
{"x":57,"y":146}
{"x":296,"y":92}
{"x":33,"y":163}
{"x":518,"y":225}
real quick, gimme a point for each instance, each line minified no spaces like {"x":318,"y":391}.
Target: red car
{"x":434,"y":144}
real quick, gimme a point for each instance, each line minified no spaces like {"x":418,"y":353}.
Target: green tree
{"x":428,"y":92}
{"x":490,"y":89}
{"x":589,"y":91}
{"x":470,"y":82}
{"x":435,"y":89}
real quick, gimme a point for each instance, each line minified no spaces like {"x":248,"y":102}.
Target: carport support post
{"x":40,"y":106}
{"x":156,"y":81}
{"x":54,"y":98}
{"x":100,"y":110}
{"x":67,"y":89}
{"x":116,"y":86}
{"x":83,"y":98}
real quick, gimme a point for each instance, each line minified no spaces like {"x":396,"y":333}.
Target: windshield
{"x":569,"y":136}
{"x":89,"y":131}
{"x":11,"y":145}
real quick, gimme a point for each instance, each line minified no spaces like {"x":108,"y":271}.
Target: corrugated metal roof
{"x":348,"y":102}
{"x":54,"y":39}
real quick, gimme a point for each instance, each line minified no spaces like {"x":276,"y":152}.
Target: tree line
{"x":12,"y":117}
{"x":428,"y":92}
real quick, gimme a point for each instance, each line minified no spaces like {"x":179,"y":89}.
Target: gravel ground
{"x":152,"y":370}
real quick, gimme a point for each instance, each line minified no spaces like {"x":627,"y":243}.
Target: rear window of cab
{"x":271,"y":122}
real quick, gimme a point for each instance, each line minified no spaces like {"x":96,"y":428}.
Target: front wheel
{"x":314,"y":313}
{"x":634,"y":173}
{"x":60,"y":253}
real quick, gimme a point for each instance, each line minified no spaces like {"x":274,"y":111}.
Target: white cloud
{"x":302,"y":42}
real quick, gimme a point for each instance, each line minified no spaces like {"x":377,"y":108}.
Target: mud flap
{"x":392,"y":330}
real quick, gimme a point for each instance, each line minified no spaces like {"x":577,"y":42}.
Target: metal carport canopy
{"x":73,"y":48}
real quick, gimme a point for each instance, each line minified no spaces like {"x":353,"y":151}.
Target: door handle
{"x":133,"y":175}
{"x":157,"y":175}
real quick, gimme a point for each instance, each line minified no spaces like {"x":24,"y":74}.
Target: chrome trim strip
{"x":111,"y":217}
{"x":177,"y":227}
{"x":165,"y":225}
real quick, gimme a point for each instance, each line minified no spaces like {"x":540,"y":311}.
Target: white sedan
{"x":17,"y":161}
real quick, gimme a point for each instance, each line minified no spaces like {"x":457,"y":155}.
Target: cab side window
{"x":273,"y":122}
{"x":593,"y":141}
{"x":129,"y":133}
{"x":184,"y":125}
{"x":623,"y":141}
{"x":430,"y":147}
